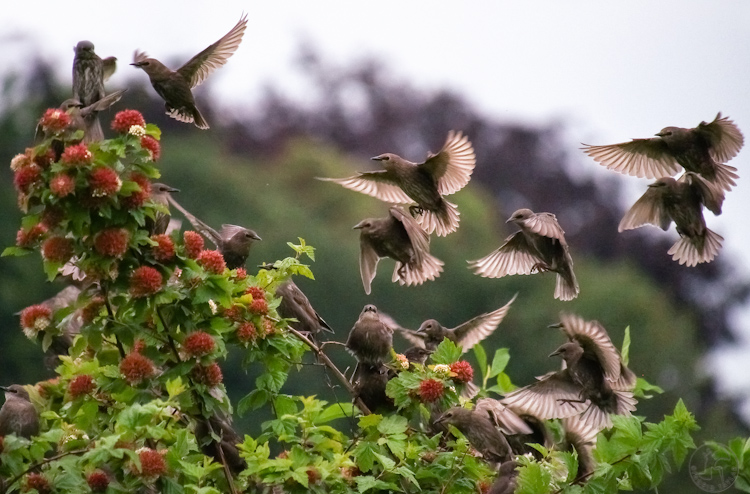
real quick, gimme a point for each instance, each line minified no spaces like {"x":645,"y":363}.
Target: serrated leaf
{"x":446,"y":353}
{"x":16,"y":251}
{"x":252,"y":401}
{"x":393,"y":424}
{"x":333,"y":412}
{"x":499,"y":361}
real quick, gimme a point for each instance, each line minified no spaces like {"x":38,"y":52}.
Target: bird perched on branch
{"x":369,"y":384}
{"x":160,"y":195}
{"x":593,"y":384}
{"x":370,"y":340}
{"x":539,"y":246}
{"x":399,"y":237}
{"x":221,"y":425}
{"x":703,"y":150}
{"x":89,"y":73}
{"x":295,"y":304}
{"x":232,"y":241}
{"x":681,"y":201}
{"x":431,"y":333}
{"x":404,"y":182}
{"x":18,"y":415}
{"x":480,"y":431}
{"x":175,"y":86}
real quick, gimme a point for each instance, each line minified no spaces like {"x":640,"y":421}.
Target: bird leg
{"x":540,"y":267}
{"x":568,"y":401}
{"x":416,"y":210}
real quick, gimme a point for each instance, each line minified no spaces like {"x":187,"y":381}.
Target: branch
{"x":43,"y":462}
{"x":111,"y":314}
{"x":341,"y":377}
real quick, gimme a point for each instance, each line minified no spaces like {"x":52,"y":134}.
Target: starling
{"x":294,"y":304}
{"x":702,"y":150}
{"x":18,"y":415}
{"x":503,"y":417}
{"x":431,"y":333}
{"x":233,"y":241}
{"x":593,"y":384}
{"x":89,"y":73}
{"x":681,"y":201}
{"x":70,"y":326}
{"x":221,"y":426}
{"x":539,"y":246}
{"x":160,"y":194}
{"x":370,"y":341}
{"x":417,"y":355}
{"x":399,"y":237}
{"x":175,"y":86}
{"x":425,"y":184}
{"x":581,"y":437}
{"x":369,"y":384}
{"x":507,"y":479}
{"x":480,"y":431}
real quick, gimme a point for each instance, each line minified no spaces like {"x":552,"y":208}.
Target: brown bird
{"x":417,"y":355}
{"x":681,"y":201}
{"x":581,"y":437}
{"x":370,"y":341}
{"x":369,"y":384}
{"x":539,"y":246}
{"x":594,"y":383}
{"x":431,"y":333}
{"x":89,"y":73}
{"x":221,"y":426}
{"x":18,"y":415}
{"x":404,"y":182}
{"x":295,"y":304}
{"x":399,"y":237}
{"x":507,"y":479}
{"x":702,"y":150}
{"x":234,"y":242}
{"x":480,"y":431}
{"x":175,"y":86}
{"x":160,"y":194}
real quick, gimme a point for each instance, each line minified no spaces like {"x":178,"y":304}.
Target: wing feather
{"x":453,"y":165}
{"x":475,"y":330}
{"x":649,"y":158}
{"x":515,"y":256}
{"x":378,"y":184}
{"x":724,"y":137}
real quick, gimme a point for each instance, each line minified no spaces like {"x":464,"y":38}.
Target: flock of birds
{"x":593,"y":382}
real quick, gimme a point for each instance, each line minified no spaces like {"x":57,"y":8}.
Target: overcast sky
{"x":609,"y":70}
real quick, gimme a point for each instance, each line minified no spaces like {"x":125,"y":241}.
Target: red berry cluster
{"x":247,"y":332}
{"x":138,"y":198}
{"x":37,"y":481}
{"x":164,"y":250}
{"x":193,"y":243}
{"x":210,"y":374}
{"x":199,"y":343}
{"x":54,"y":120}
{"x":76,"y":155}
{"x":152,"y":146}
{"x":26,"y":177}
{"x":62,"y":184}
{"x":81,"y":385}
{"x":212,"y":261}
{"x":112,"y":242}
{"x":30,"y":315}
{"x":152,"y":463}
{"x":127,"y":118}
{"x":136,"y":368}
{"x":104,"y":182}
{"x":430,"y":390}
{"x":57,"y":249}
{"x":98,"y":481}
{"x":29,"y":237}
{"x":145,"y":281}
{"x":462,"y":369}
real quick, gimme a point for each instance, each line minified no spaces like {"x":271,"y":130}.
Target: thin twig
{"x":43,"y":462}
{"x":111,"y":314}
{"x":341,"y":377}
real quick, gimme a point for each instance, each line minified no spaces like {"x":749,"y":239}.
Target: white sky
{"x":610,"y":70}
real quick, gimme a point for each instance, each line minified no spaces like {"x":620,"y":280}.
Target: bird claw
{"x":416,"y":210}
{"x":539,"y":267}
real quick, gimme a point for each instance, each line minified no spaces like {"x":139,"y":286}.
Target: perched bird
{"x":369,"y":384}
{"x":404,"y":182}
{"x":703,"y":150}
{"x":18,"y":415}
{"x":431,"y":333}
{"x":417,"y":355}
{"x":399,"y":237}
{"x":507,"y":479}
{"x":221,"y":426}
{"x":593,"y":384}
{"x":160,"y":194}
{"x":175,"y":86}
{"x":480,"y":431}
{"x":370,"y":341}
{"x":233,"y":241}
{"x":294,"y":304}
{"x":539,"y":246}
{"x":70,"y":326}
{"x":78,"y":116}
{"x":681,"y":201}
{"x":89,"y":73}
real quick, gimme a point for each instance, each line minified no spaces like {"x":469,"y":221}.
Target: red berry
{"x":36,"y":316}
{"x":212,"y":261}
{"x":145,"y":281}
{"x":26,"y":177}
{"x":112,"y":242}
{"x":210,"y":374}
{"x":247,"y":332}
{"x":164,"y":250}
{"x":76,"y":155}
{"x":462,"y":369}
{"x":104,"y":182}
{"x":199,"y":343}
{"x":98,"y":481}
{"x":152,"y":463}
{"x":430,"y":390}
{"x":81,"y":385}
{"x":127,"y":118}
{"x":152,"y":146}
{"x":135,"y":368}
{"x":37,"y":481}
{"x":193,"y":243}
{"x":138,"y":198}
{"x":27,"y":238}
{"x":57,"y":249}
{"x":62,"y":184}
{"x":54,"y":120}
{"x":259,"y":306}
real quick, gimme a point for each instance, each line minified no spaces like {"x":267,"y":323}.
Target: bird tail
{"x":470,"y":391}
{"x":414,"y":274}
{"x":725,"y":176}
{"x":692,"y":251}
{"x":566,"y":285}
{"x":442,"y":222}
{"x":93,"y":131}
{"x":188,"y":115}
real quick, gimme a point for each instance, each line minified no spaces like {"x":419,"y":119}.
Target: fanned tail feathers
{"x":688,"y":250}
{"x":416,"y":275}
{"x":442,"y":222}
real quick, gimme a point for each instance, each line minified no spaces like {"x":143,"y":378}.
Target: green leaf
{"x":447,"y":353}
{"x":333,"y":412}
{"x":367,"y":482}
{"x":51,"y":269}
{"x":481,"y":357}
{"x":284,"y":405}
{"x":153,"y":130}
{"x":393,"y":424}
{"x":254,"y":400}
{"x":16,"y":251}
{"x":625,"y":352}
{"x":175,"y":387}
{"x":499,"y":362}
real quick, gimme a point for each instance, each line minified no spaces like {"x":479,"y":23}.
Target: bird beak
{"x":658,"y":134}
{"x":255,"y":236}
{"x":439,"y":420}
{"x":557,"y":325}
{"x":509,"y":220}
{"x":359,"y":225}
{"x":136,"y":64}
{"x":172,"y":189}
{"x":377,"y":158}
{"x":556,"y":352}
{"x":3,"y":388}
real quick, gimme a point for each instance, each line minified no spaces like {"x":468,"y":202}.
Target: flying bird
{"x":480,"y":431}
{"x":539,"y":246}
{"x":521,"y":429}
{"x":234,"y":242}
{"x":370,"y":340}
{"x":399,"y":237}
{"x":89,"y":73}
{"x":593,"y":384}
{"x":431,"y":333}
{"x":295,"y":304}
{"x":175,"y":86}
{"x":18,"y":415}
{"x":404,"y":182}
{"x":681,"y":201}
{"x":703,"y":150}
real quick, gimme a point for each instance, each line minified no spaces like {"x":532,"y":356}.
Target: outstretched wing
{"x":475,"y":330}
{"x":649,"y":158}
{"x":724,"y":137}
{"x":546,"y":225}
{"x":378,"y":184}
{"x":711,"y":196}
{"x":552,"y":397}
{"x":595,"y":340}
{"x":515,"y":256}
{"x":368,"y":264}
{"x":200,"y":66}
{"x":648,"y":209}
{"x":453,"y":165}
